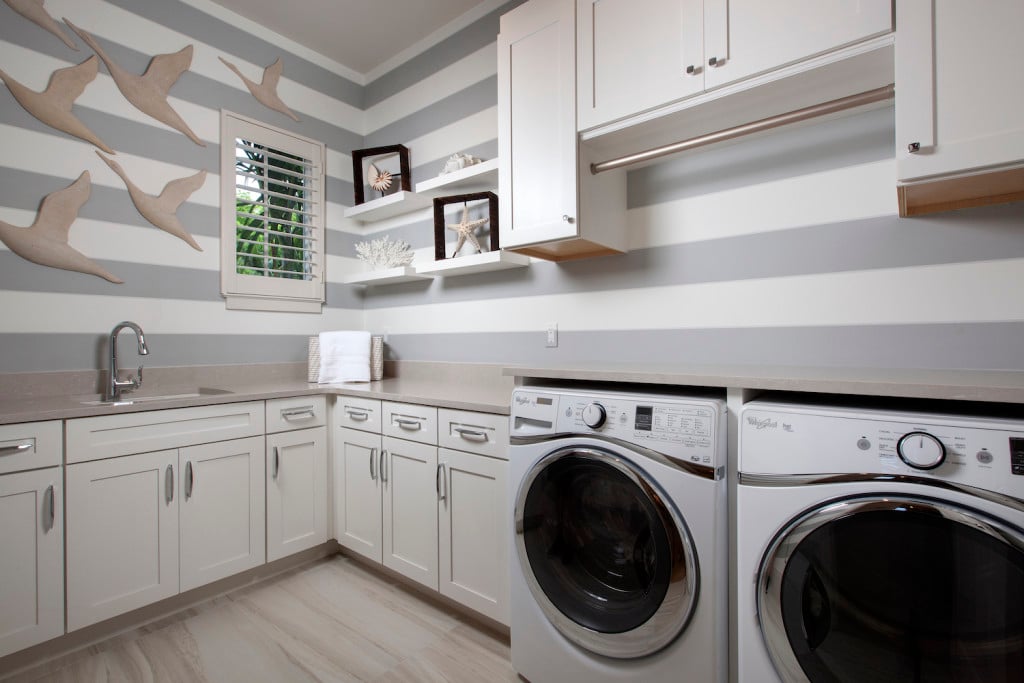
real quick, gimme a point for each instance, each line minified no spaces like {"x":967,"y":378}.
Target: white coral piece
{"x":384,"y":252}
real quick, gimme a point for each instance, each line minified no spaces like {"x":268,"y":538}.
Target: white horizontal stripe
{"x":473,"y":130}
{"x":69,"y":313}
{"x":845,"y":194}
{"x":957,"y":293}
{"x":151,"y":38}
{"x":452,"y":79}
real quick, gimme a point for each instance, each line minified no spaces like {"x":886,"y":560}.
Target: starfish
{"x":53,"y":105}
{"x":161,"y":210}
{"x":148,"y":92}
{"x":465,"y":229}
{"x":265,"y":92}
{"x":33,"y":11}
{"x":46,"y":241}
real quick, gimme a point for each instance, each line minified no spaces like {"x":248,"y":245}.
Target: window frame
{"x":257,"y":293}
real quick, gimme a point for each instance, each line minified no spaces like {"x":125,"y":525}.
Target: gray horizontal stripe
{"x":185,"y":19}
{"x":444,"y":112}
{"x":193,"y":88}
{"x":480,"y":33}
{"x":785,"y":153}
{"x":55,"y":352}
{"x":978,"y":346}
{"x":886,"y":242}
{"x":141,"y":280}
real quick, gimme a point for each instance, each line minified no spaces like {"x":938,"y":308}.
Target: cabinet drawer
{"x":410,"y":421}
{"x":481,"y":433}
{"x":30,"y":445}
{"x":93,"y":438}
{"x":358,"y":413}
{"x":300,"y":412}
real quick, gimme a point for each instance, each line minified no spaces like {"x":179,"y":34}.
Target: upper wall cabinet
{"x":960,"y":94}
{"x":550,"y":208}
{"x":635,"y":55}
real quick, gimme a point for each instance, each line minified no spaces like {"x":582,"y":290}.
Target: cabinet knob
{"x":914,"y":147}
{"x":692,"y":70}
{"x":716,"y":61}
{"x":568,"y":219}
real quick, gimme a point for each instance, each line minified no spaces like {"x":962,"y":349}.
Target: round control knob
{"x":594,"y":415}
{"x":921,"y":450}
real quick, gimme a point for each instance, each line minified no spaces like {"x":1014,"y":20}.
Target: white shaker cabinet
{"x":357,"y":492}
{"x":409,"y":490}
{"x":551,"y":206}
{"x":473,"y":514}
{"x":31,"y":536}
{"x":296,"y":475}
{"x":959,"y":98}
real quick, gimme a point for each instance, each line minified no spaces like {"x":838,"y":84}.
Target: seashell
{"x":379,"y":180}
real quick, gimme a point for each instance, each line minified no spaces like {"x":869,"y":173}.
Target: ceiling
{"x":359,"y":34}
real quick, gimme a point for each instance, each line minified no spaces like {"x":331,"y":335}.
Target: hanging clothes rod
{"x":860,"y":99}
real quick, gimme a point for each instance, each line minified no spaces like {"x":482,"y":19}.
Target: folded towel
{"x":344,"y":356}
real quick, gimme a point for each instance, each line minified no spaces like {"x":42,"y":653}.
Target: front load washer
{"x":618,"y":566}
{"x":879,"y":546}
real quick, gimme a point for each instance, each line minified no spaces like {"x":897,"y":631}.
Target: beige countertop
{"x":958,"y":385}
{"x":481,"y":394}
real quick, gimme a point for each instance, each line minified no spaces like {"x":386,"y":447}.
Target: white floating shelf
{"x":475,"y":263}
{"x":475,"y":178}
{"x":388,"y":276}
{"x":395,"y":204}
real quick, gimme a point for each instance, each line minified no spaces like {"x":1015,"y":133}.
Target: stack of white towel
{"x":344,"y":356}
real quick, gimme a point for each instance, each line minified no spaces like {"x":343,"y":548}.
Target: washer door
{"x":894,"y":589}
{"x":605,"y":553}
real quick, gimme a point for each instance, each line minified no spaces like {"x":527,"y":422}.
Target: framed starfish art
{"x":466,"y":227}
{"x":380,"y":171}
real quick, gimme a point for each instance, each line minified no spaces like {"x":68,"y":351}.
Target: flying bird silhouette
{"x":34,"y":12}
{"x":161,"y":210}
{"x":53,"y":105}
{"x":265,"y":92}
{"x":148,"y":92}
{"x":46,"y":241}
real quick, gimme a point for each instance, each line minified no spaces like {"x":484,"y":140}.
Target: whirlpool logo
{"x":762,"y":422}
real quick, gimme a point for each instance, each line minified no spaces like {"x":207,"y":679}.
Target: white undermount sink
{"x":131,"y":399}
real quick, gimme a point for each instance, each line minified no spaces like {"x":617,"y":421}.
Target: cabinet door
{"x":959,"y":89}
{"x":122,"y":535}
{"x":221,"y":510}
{"x":357,"y":492}
{"x":537,"y":123}
{"x":296,"y":491}
{"x":474,"y":532}
{"x":32,"y":561}
{"x":634,"y":55}
{"x":747,"y":37}
{"x":410,"y":509}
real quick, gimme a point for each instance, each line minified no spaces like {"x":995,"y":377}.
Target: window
{"x":272,"y":217}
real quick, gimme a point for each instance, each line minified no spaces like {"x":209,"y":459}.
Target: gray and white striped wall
{"x":781,"y":249}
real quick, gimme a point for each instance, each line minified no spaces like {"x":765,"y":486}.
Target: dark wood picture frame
{"x":439,"y":224}
{"x":357,"y":167}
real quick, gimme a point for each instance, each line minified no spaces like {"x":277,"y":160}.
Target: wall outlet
{"x":551,"y":341}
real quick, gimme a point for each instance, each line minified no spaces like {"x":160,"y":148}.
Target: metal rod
{"x":869,"y":97}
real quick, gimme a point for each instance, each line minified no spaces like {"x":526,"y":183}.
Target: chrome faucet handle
{"x":137,"y":380}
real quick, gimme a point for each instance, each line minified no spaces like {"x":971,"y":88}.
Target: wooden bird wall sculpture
{"x":148,"y":92}
{"x":265,"y":92}
{"x":53,"y":105}
{"x":33,"y":11}
{"x":161,"y":210}
{"x":46,"y":241}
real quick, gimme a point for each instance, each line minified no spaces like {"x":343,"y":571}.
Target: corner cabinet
{"x":959,"y":98}
{"x":31,"y":535}
{"x":551,"y":206}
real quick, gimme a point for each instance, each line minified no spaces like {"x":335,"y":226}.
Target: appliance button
{"x":863,"y":443}
{"x":921,"y":450}
{"x":594,"y":415}
{"x":984,"y":457}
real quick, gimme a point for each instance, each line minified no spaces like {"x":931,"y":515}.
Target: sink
{"x":131,"y":399}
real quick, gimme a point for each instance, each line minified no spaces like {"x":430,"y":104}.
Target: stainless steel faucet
{"x":116,"y":387}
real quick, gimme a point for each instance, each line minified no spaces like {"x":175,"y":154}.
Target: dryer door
{"x":894,"y":588}
{"x":605,"y":553}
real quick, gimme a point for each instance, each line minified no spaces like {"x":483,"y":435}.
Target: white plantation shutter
{"x":272,"y":217}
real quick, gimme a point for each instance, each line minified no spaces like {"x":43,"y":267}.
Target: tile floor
{"x":333,"y":620}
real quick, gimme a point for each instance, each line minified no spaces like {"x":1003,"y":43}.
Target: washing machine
{"x":884,"y":546}
{"x":618,"y":566}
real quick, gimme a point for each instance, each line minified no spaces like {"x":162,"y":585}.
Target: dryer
{"x":877,"y":545}
{"x":618,"y":567}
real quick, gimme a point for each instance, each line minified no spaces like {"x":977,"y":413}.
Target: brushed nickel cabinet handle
{"x":373,"y":464}
{"x":303,"y":413}
{"x":441,"y":480}
{"x":50,"y":502}
{"x":190,"y":480}
{"x":169,"y":484}
{"x":11,"y":450}
{"x":277,"y":463}
{"x":471,"y":434}
{"x":411,"y":425}
{"x":383,"y":467}
{"x":357,"y":415}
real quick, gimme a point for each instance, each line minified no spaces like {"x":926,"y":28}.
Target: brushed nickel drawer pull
{"x":357,"y":415}
{"x":411,"y":425}
{"x":303,"y":413}
{"x":471,"y":434}
{"x":11,"y":450}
